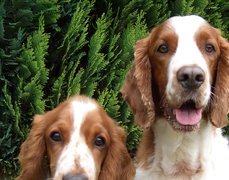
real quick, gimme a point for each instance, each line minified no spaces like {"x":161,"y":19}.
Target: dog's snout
{"x":74,"y":177}
{"x":190,"y":77}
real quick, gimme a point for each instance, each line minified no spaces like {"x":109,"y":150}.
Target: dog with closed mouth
{"x":75,"y":140}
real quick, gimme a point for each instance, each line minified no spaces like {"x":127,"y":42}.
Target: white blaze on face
{"x":76,"y":154}
{"x":187,"y":52}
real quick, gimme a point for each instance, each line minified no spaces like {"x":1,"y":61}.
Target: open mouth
{"x":186,"y":117}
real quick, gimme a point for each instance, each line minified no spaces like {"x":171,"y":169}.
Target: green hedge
{"x":50,"y":50}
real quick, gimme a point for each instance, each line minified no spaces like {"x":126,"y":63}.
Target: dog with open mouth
{"x":178,"y":90}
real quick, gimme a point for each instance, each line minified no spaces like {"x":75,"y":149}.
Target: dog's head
{"x":76,"y":140}
{"x":181,"y":72}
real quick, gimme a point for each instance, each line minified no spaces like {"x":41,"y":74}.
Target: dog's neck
{"x":180,"y":153}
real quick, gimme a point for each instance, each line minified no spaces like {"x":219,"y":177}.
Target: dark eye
{"x":56,"y":136}
{"x":209,"y":48}
{"x":163,"y":48}
{"x":99,"y":142}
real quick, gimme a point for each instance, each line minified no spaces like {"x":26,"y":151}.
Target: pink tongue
{"x":188,"y":117}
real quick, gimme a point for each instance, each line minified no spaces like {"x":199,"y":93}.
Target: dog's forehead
{"x":80,"y":108}
{"x":75,"y":109}
{"x":186,"y":25}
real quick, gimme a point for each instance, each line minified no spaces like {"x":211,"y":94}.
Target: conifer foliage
{"x":52,"y":49}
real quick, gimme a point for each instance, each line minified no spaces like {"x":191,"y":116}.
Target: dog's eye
{"x":163,"y":48}
{"x":99,"y":141}
{"x":209,"y":48}
{"x":56,"y":136}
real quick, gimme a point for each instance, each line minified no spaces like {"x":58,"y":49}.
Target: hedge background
{"x":52,"y":49}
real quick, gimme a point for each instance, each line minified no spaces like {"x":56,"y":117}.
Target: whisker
{"x":212,"y":97}
{"x":212,"y":87}
{"x":163,"y":101}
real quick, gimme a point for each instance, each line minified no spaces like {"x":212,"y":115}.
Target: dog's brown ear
{"x":32,"y":154}
{"x":137,"y":86}
{"x":220,"y":102}
{"x":117,"y":163}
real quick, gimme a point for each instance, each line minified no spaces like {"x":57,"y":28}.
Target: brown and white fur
{"x":178,"y":90}
{"x":76,"y":140}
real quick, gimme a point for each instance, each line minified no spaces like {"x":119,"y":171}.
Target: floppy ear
{"x":220,"y":103}
{"x":117,"y":163}
{"x":137,"y":86}
{"x":32,"y":154}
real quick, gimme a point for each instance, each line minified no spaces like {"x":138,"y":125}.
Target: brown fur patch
{"x":146,"y":148}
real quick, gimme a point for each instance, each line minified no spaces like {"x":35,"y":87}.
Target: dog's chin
{"x":183,"y":128}
{"x":185,"y":118}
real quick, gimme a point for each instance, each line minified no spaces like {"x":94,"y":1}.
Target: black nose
{"x":74,"y":177}
{"x":191,"y":77}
